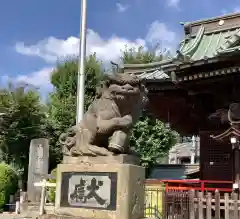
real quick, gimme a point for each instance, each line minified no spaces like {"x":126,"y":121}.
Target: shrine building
{"x":193,"y":92}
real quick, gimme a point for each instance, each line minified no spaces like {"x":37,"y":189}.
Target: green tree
{"x":62,"y":102}
{"x":23,"y":120}
{"x":151,"y":139}
{"x":142,"y":55}
{"x":8,"y":184}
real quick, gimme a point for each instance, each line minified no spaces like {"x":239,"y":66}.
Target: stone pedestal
{"x":118,"y":159}
{"x":104,"y":190}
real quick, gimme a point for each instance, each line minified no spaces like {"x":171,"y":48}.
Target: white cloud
{"x":173,"y":3}
{"x":38,"y":79}
{"x":160,"y":33}
{"x":52,"y":49}
{"x":121,"y":7}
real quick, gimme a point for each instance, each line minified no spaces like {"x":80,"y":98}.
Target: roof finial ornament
{"x":115,"y":67}
{"x":187,"y":28}
{"x":221,"y":22}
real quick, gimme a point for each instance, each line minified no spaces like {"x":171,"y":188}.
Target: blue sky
{"x":34,"y":34}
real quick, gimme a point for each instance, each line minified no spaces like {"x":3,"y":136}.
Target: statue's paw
{"x":75,"y":153}
{"x":127,"y":121}
{"x":89,"y":153}
{"x":100,"y":151}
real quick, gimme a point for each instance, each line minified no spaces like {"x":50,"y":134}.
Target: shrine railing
{"x":191,"y":204}
{"x":197,"y":185}
{"x":163,"y":195}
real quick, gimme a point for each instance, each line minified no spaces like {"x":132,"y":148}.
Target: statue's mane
{"x":119,"y":79}
{"x":123,"y":78}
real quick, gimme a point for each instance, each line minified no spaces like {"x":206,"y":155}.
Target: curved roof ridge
{"x":182,"y":145}
{"x":151,"y":64}
{"x":195,"y":43}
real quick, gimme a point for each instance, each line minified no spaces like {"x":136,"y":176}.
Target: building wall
{"x":172,"y":171}
{"x":185,"y":152}
{"x":216,"y":158}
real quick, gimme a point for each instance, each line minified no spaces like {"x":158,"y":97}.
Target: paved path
{"x":14,"y":216}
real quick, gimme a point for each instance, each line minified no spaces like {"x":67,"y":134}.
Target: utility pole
{"x":81,"y":63}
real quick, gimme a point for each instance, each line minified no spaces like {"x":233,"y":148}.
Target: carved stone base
{"x":109,"y":191}
{"x":118,"y":159}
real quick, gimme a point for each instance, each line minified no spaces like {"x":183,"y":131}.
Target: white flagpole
{"x":81,"y":63}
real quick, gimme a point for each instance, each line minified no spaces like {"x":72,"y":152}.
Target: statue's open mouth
{"x":127,"y":91}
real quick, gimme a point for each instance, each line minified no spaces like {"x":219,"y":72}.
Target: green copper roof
{"x":210,"y":45}
{"x":157,"y":74}
{"x":204,"y":41}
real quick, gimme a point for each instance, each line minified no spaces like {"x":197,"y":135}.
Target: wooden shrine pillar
{"x":236,"y":156}
{"x":236,"y":165}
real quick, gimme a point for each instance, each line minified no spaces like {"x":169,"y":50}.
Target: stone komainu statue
{"x":106,"y":126}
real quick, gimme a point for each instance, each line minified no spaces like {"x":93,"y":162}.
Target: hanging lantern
{"x":233,"y":140}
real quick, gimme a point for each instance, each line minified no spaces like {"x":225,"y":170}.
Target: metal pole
{"x":81,"y":63}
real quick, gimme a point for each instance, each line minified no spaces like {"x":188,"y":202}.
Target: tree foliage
{"x":52,"y":190}
{"x":152,"y":140}
{"x":142,"y":55}
{"x":23,"y":120}
{"x":8,"y":184}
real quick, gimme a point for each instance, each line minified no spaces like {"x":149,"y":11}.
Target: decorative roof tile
{"x":204,"y":40}
{"x":190,"y":45}
{"x":205,"y":46}
{"x":157,"y":74}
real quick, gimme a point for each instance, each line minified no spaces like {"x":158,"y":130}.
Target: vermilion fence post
{"x":202,"y":187}
{"x":166,"y":187}
{"x":198,"y":185}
